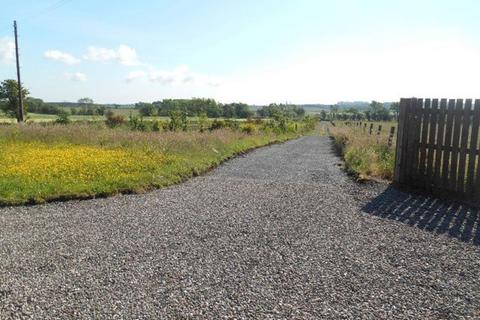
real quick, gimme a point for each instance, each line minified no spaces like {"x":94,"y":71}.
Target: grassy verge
{"x":366,"y":156}
{"x":43,"y":163}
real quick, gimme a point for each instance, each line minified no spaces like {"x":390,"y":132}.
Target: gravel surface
{"x":279,"y":233}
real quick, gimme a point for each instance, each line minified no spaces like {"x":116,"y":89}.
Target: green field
{"x":35,"y":117}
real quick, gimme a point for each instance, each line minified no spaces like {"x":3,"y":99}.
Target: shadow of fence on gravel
{"x":428,"y":213}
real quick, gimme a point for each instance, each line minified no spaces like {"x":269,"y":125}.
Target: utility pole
{"x":20,"y":113}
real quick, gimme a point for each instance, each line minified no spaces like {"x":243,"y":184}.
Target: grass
{"x":39,"y":118}
{"x":41,"y":163}
{"x":366,"y":156}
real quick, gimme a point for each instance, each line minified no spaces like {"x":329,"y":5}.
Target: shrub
{"x":202,"y":121}
{"x":137,"y":123}
{"x":178,"y":120}
{"x":156,"y":126}
{"x":309,"y":123}
{"x":217,"y":124}
{"x":114,"y":120}
{"x":63,"y":118}
{"x":248,"y":128}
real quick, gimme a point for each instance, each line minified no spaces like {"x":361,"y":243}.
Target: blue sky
{"x":256,"y":51}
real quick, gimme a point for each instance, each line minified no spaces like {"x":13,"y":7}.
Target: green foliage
{"x":223,"y":124}
{"x":289,"y":111}
{"x":248,"y":128}
{"x":9,"y":97}
{"x":63,"y":118}
{"x":202,"y":122}
{"x":309,"y":123}
{"x":197,"y":106}
{"x":323,"y":115}
{"x":365,"y":155}
{"x":378,"y":112}
{"x":237,"y":110}
{"x":136,"y":123}
{"x":217,"y":124}
{"x":86,"y":101}
{"x":178,"y":120}
{"x":395,"y":108}
{"x":280,"y":124}
{"x":145,"y":109}
{"x":156,"y":126}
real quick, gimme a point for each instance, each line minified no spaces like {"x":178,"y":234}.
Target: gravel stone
{"x":281,"y":232}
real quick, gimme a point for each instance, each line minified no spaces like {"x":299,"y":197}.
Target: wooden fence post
{"x":390,"y":137}
{"x":404,"y":106}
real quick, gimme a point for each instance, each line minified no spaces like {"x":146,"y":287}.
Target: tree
{"x":395,"y":108}
{"x":289,"y":111}
{"x":145,"y":109}
{"x":9,"y":98}
{"x":178,"y":120}
{"x":86,"y":101}
{"x":323,"y":115}
{"x":33,"y":105}
{"x":63,"y":117}
{"x":378,"y":112}
{"x":334,"y":111}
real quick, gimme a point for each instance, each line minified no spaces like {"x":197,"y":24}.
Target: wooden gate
{"x":438,"y":147}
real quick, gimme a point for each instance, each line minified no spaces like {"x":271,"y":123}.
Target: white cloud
{"x":181,"y":75}
{"x":77,"y":76}
{"x":127,"y":56}
{"x":60,"y":56}
{"x":136,"y":75}
{"x":7,"y":50}
{"x":123,"y":54}
{"x":178,"y":76}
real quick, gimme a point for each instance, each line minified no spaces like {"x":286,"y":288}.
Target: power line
{"x":42,"y":12}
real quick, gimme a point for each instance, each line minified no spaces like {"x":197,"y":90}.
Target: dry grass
{"x":367,"y":156}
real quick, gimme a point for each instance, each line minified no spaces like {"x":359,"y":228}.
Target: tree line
{"x":195,"y":107}
{"x":376,"y":111}
{"x":210,"y":108}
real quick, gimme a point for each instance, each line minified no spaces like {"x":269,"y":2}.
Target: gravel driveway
{"x":279,"y":233}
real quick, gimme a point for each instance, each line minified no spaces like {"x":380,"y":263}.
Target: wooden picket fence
{"x":438,"y":147}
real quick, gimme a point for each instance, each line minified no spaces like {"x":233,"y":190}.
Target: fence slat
{"x":433,"y":120}
{"x":410,"y":147}
{"x":448,"y":143}
{"x":437,"y":176}
{"x":464,"y":136}
{"x":416,"y":140}
{"x":473,"y":151}
{"x":399,"y":164}
{"x":424,"y":122}
{"x":457,"y":124}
